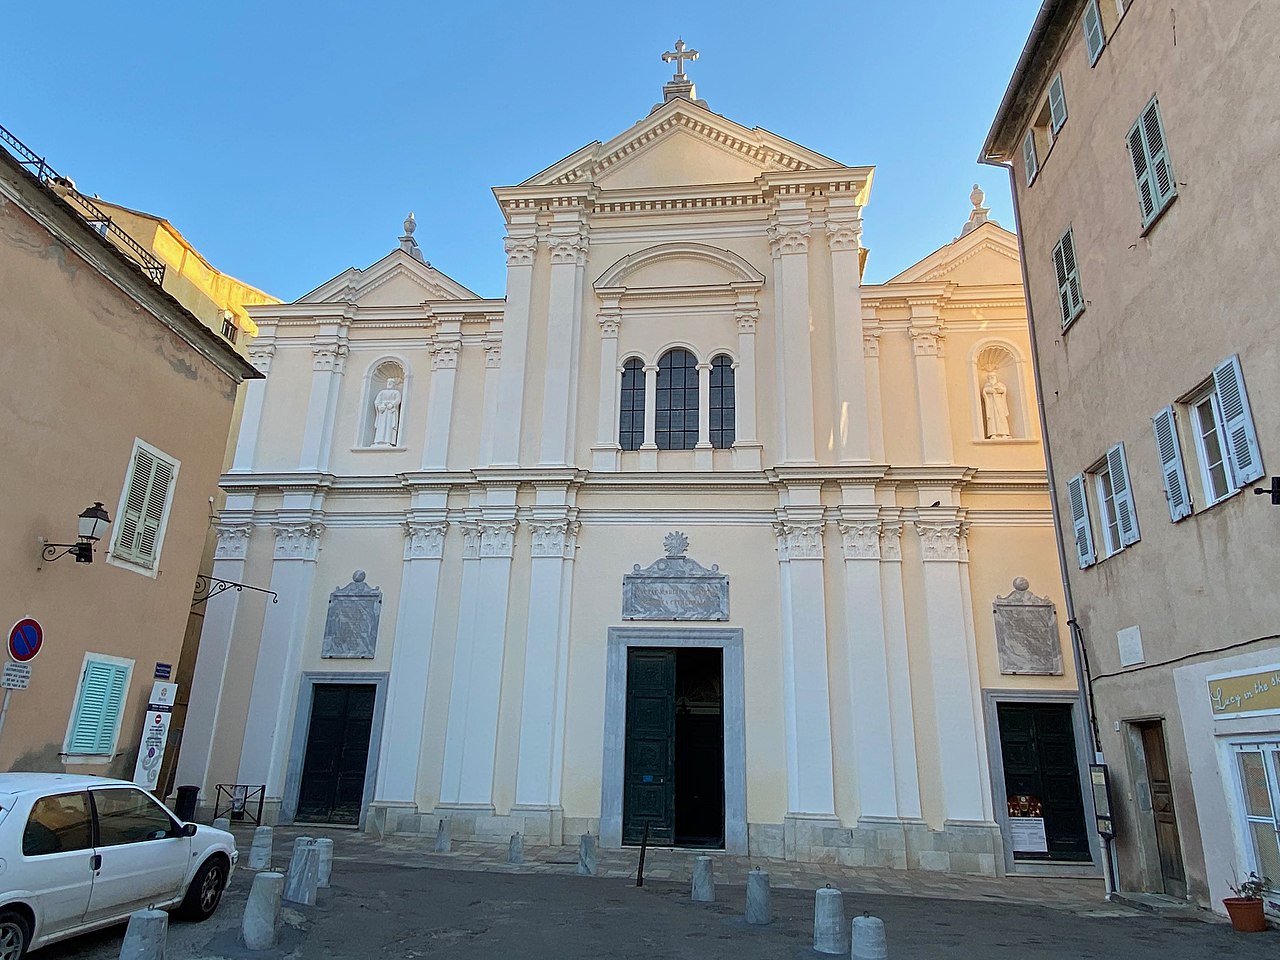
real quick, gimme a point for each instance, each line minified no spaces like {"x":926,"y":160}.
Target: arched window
{"x":631,"y":418}
{"x":723,"y":413}
{"x":676,"y":426}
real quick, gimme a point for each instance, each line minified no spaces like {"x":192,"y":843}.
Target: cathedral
{"x":692,"y":536}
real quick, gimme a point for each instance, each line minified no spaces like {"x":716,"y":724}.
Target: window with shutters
{"x":1152,"y":170}
{"x":1095,"y":37}
{"x":94,"y":727}
{"x":1044,"y":130}
{"x":1067,"y":272}
{"x":1113,"y":494}
{"x":143,"y":513}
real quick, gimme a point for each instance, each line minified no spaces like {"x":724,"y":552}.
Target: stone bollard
{"x":704,"y":881}
{"x":829,"y":934}
{"x":145,"y":937}
{"x":304,"y":875}
{"x":324,"y":847}
{"x":260,"y":851}
{"x":868,"y":939}
{"x":261,"y":925}
{"x":588,"y":858}
{"x":443,"y":840}
{"x":759,"y":909}
{"x":222,"y":823}
{"x":515,"y":850}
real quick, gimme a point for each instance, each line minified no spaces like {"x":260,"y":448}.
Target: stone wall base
{"x":973,"y":848}
{"x":541,"y":826}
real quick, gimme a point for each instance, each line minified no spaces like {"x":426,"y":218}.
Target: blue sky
{"x":288,"y":140}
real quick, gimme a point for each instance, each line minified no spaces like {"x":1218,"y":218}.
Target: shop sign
{"x":1249,"y":694}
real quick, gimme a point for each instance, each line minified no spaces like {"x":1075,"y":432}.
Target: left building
{"x":116,"y":398}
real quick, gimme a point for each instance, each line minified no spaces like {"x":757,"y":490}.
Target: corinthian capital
{"x":860,"y":539}
{"x":497,"y":537}
{"x":568,"y":249}
{"x":940,"y":539}
{"x":520,"y":250}
{"x":844,"y":234}
{"x":927,"y":341}
{"x":787,"y":238}
{"x":444,"y":355}
{"x":298,"y":540}
{"x":424,"y":539}
{"x":799,"y":540}
{"x":329,"y":356}
{"x":553,"y":538}
{"x":233,"y":541}
{"x":609,"y":324}
{"x":747,"y":318}
{"x":260,"y":356}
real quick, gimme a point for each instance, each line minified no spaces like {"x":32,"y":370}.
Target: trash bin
{"x":185,"y":808}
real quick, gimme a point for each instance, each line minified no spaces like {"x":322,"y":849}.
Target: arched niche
{"x":1000,"y":392}
{"x":384,"y":376}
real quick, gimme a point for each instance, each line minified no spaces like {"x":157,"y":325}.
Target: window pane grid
{"x":676,"y":420}
{"x":1215,"y":470}
{"x":1109,"y":520}
{"x":722,"y":409}
{"x":631,"y":417}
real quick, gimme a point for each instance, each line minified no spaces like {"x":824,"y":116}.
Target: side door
{"x":143,"y":856}
{"x":648,"y":797}
{"x":57,"y":859}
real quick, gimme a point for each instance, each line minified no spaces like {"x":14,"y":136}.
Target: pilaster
{"x":747,"y":452}
{"x":844,"y":233}
{"x":901,"y":706}
{"x":506,"y":425}
{"x":875,"y":414}
{"x":568,"y":245}
{"x":649,"y":448}
{"x":444,"y":373}
{"x":329,"y":358}
{"x":606,"y":450}
{"x":927,"y":347}
{"x":255,"y":398}
{"x":789,"y":233}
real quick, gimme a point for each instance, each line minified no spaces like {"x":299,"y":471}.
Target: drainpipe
{"x":1084,"y":684}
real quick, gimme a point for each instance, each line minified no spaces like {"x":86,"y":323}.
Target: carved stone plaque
{"x":351,"y":628}
{"x":675,"y":588}
{"x":1027,"y":632}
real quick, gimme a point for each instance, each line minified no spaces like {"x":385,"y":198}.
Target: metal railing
{"x":93,"y":214}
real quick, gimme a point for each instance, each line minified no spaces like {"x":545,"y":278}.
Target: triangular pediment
{"x":681,"y":143}
{"x":397,"y":279}
{"x":986,"y":255}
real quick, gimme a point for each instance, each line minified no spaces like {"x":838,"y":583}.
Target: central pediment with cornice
{"x":395,"y":279}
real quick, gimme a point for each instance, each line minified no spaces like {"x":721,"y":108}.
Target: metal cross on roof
{"x":680,"y":54}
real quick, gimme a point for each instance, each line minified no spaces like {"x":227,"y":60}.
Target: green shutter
{"x":1070,"y":299}
{"x":1094,"y":38}
{"x":97,"y":710}
{"x":1029,"y":156}
{"x":1057,"y":105}
{"x":1122,"y":492}
{"x":1085,"y":554}
{"x":1241,"y":441}
{"x":1171,"y":466}
{"x":146,"y":507}
{"x":1158,"y":155}
{"x":135,"y":506}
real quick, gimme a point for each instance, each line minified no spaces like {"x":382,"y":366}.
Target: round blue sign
{"x":25,"y":639}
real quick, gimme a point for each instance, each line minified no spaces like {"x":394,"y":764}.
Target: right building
{"x":1143,"y":144}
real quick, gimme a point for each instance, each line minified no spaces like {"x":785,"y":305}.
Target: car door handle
{"x":96,"y":861}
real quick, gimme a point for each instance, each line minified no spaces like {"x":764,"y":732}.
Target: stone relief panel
{"x":351,"y":627}
{"x":675,"y":587}
{"x":1027,"y":632}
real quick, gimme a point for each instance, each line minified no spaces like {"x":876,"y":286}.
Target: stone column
{"x":492,"y":385}
{"x":216,"y":637}
{"x":875,"y":414}
{"x":471,"y":739}
{"x":931,"y":384}
{"x":406,"y":711}
{"x":271,"y":702}
{"x":522,"y":249}
{"x":789,"y":240}
{"x":444,"y":372}
{"x":746,"y":445}
{"x":702,"y":456}
{"x":255,"y":397}
{"x":844,"y":231}
{"x":564,"y":330}
{"x":546,"y":672}
{"x":649,"y":448}
{"x":954,"y":668}
{"x":868,"y":663}
{"x":317,"y":433}
{"x":900,"y":705}
{"x":806,"y":690}
{"x":605,"y":453}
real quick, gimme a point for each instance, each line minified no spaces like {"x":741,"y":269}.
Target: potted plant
{"x":1245,"y":908}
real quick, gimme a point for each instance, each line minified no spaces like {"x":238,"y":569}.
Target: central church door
{"x":333,"y":770}
{"x":674,"y":764}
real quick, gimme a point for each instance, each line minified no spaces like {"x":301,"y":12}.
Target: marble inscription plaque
{"x":1027,"y":632}
{"x":675,"y":588}
{"x":351,"y":628}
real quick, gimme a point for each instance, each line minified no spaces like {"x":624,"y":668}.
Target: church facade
{"x":693,"y":535}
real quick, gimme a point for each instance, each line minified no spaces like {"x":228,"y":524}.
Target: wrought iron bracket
{"x":207,"y":587}
{"x":82,"y":551}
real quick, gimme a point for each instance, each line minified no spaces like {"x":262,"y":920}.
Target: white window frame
{"x":1104,"y":493}
{"x":1209,"y":394}
{"x":1269,"y":747}
{"x":1112,"y":509}
{"x":117,"y":527}
{"x":97,"y":758}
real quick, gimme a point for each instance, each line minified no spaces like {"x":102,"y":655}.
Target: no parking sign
{"x":26,"y":637}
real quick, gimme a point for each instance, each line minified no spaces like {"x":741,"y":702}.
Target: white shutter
{"x":1171,"y":467}
{"x":135,"y":504}
{"x":1029,"y":156}
{"x":97,"y":711}
{"x":1094,"y":38}
{"x":1057,"y":105}
{"x":1241,"y":442}
{"x":1085,"y":554}
{"x":144,"y":506}
{"x":1122,"y":491}
{"x":154,"y":515}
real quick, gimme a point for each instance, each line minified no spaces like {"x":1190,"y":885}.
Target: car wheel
{"x":205,"y":892}
{"x":15,"y":935}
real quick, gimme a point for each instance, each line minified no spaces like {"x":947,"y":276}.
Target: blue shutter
{"x":1094,"y":38}
{"x":97,"y":711}
{"x":1070,"y":300}
{"x":1240,"y":442}
{"x":1142,"y":173}
{"x":1158,"y":155}
{"x":1057,"y":105}
{"x":1085,"y":554}
{"x":1171,"y":466}
{"x":1122,"y":491}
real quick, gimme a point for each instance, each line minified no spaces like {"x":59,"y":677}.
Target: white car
{"x":78,"y":853}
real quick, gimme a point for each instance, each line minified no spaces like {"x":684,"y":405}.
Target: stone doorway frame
{"x":302,"y":727}
{"x":729,"y":641}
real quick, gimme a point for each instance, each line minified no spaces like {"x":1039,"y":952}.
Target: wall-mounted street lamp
{"x":91,"y":525}
{"x":1274,"y":490}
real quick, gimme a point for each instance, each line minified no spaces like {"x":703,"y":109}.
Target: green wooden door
{"x":333,"y":770}
{"x":648,"y":797}
{"x":1038,"y":746}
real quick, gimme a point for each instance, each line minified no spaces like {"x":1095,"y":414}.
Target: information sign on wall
{"x":1245,"y":694}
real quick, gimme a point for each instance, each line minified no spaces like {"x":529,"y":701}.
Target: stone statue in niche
{"x":675,"y":587}
{"x":351,"y":627}
{"x":996,"y":404}
{"x":386,"y":414}
{"x":1027,"y":632}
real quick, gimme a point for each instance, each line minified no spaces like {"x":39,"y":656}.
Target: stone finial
{"x":976,"y":198}
{"x":407,"y":243}
{"x":411,"y":223}
{"x":979,"y":214}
